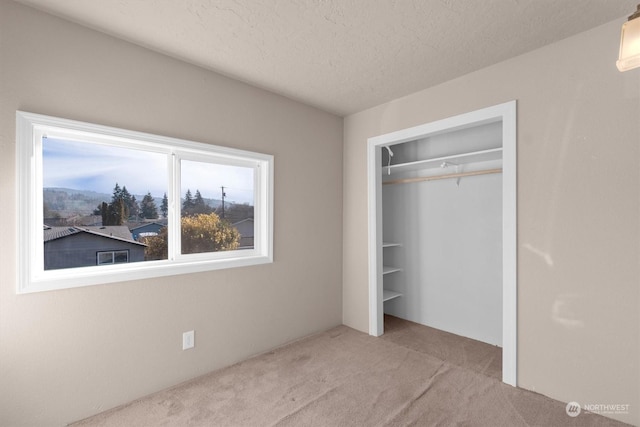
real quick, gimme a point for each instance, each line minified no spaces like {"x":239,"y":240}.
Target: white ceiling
{"x":342,"y":56}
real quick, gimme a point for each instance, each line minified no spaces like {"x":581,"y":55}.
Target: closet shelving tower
{"x":388,"y":294}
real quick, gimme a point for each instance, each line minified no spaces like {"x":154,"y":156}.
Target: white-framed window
{"x":83,"y":188}
{"x":112,"y":257}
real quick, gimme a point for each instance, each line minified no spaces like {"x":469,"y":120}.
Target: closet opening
{"x":442,"y":228}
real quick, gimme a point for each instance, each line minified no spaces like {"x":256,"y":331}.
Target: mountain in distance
{"x":68,"y":202}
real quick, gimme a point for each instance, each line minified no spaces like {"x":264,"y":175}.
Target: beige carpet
{"x":471,"y":354}
{"x":413,"y":375}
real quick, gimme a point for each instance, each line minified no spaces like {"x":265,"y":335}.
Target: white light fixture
{"x":630,"y":43}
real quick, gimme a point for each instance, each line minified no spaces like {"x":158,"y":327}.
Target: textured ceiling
{"x":340,"y":55}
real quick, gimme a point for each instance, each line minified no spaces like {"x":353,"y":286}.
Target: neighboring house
{"x":146,"y":230}
{"x":245,"y":228}
{"x":68,"y":247}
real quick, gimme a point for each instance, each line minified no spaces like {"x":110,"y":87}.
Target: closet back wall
{"x":451,"y":254}
{"x":65,"y":355}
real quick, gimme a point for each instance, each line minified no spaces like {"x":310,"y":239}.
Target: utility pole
{"x":223,"y":196}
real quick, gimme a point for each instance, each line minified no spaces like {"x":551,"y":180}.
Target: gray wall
{"x":65,"y":355}
{"x":578,"y":210}
{"x":81,"y":250}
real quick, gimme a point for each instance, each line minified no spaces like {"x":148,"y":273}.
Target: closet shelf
{"x":455,"y":159}
{"x":388,"y":269}
{"x":388,"y":295}
{"x":390,"y":244}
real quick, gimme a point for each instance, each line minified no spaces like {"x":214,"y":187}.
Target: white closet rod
{"x":437,"y":177}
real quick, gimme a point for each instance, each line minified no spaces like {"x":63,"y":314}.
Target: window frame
{"x":113,"y":256}
{"x":31,"y":128}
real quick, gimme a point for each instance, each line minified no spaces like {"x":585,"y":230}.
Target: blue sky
{"x":237,"y":181}
{"x":86,"y":166}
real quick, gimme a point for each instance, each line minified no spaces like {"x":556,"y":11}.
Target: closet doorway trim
{"x":505,"y":113}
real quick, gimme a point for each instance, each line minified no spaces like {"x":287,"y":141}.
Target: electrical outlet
{"x":188,"y":340}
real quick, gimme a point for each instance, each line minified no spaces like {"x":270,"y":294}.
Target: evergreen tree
{"x":104,"y":212}
{"x":164,"y":207}
{"x":116,"y":213}
{"x":198,"y":199}
{"x":113,"y":213}
{"x":199,"y":205}
{"x":188,"y":204}
{"x":148,"y":207}
{"x":119,"y":208}
{"x":117,"y":193}
{"x":129,"y":202}
{"x":134,"y":209}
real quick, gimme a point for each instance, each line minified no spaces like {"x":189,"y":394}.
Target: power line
{"x":223,"y":196}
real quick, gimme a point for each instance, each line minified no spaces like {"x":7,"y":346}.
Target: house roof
{"x":147,"y":225}
{"x":244,"y":220}
{"x":116,"y":232}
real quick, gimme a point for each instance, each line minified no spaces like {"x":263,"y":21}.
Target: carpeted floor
{"x":471,"y":354}
{"x":412,"y":375}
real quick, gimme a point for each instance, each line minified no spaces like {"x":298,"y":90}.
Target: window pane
{"x":105,"y":258}
{"x":101,"y":198}
{"x":121,"y":256}
{"x":217,"y":207}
